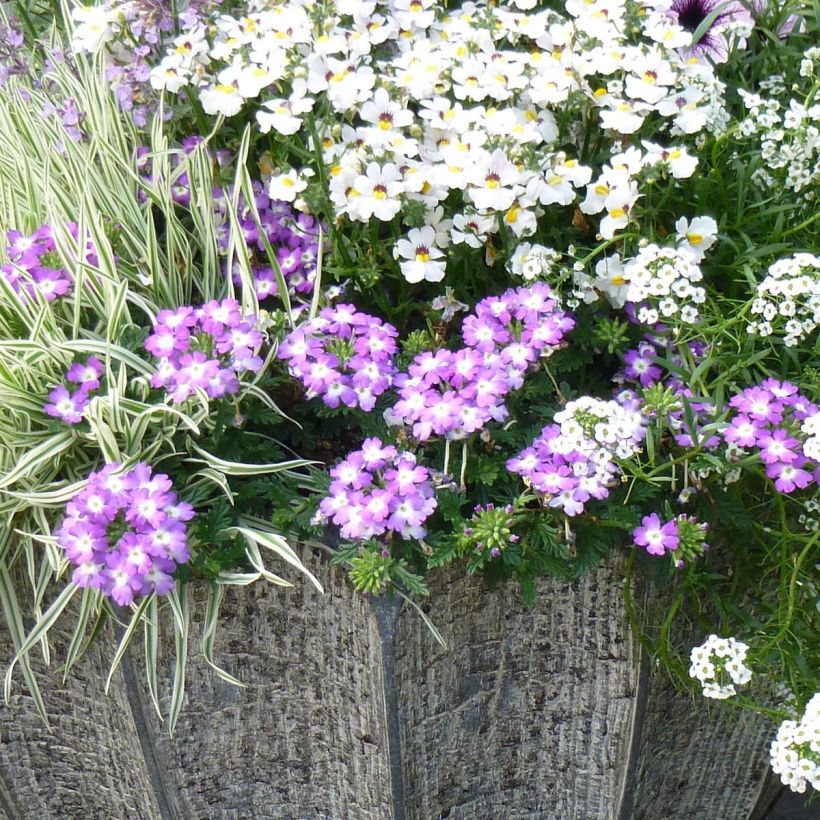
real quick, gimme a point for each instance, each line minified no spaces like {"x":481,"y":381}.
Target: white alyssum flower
{"x":661,"y":284}
{"x":795,"y":752}
{"x":787,"y":301}
{"x":718,"y":665}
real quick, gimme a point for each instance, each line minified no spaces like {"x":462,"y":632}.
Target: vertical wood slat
{"x":306,"y":738}
{"x":699,"y":759}
{"x":528,"y":713}
{"x":90,"y":765}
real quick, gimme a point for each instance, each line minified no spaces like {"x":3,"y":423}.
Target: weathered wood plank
{"x":90,"y":765}
{"x":699,"y":759}
{"x":307,"y":737}
{"x":528,"y":712}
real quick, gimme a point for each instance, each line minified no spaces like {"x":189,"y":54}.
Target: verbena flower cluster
{"x":34,"y":267}
{"x":718,"y":665}
{"x":682,"y":537}
{"x":787,"y":301}
{"x":126,"y":533}
{"x":455,"y":103}
{"x":69,"y":406}
{"x":783,"y":427}
{"x":795,"y":752}
{"x":342,"y":355}
{"x":490,"y":530}
{"x":669,"y":399}
{"x":456,"y":393}
{"x":204,"y":348}
{"x":576,"y":458}
{"x":378,"y":491}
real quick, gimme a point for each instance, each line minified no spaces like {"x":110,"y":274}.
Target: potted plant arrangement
{"x":462,"y":357}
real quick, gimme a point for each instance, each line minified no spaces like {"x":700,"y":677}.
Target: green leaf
{"x":178,"y":599}
{"x":277,"y":544}
{"x":215,"y":594}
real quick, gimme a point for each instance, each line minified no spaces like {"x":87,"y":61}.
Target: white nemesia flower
{"x":422,"y":257}
{"x":697,"y":236}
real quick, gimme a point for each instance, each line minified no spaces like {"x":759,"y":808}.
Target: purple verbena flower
{"x":67,"y":407}
{"x":656,"y":537}
{"x":125,"y":533}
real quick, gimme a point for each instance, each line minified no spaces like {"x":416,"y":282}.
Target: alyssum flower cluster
{"x":718,"y":665}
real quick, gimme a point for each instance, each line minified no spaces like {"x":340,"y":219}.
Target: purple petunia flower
{"x":690,"y":14}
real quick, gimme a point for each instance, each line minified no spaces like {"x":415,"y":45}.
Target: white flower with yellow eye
{"x":610,"y":280}
{"x":494,"y":181}
{"x":680,"y":163}
{"x":378,"y":189}
{"x":286,"y":187}
{"x":697,"y":236}
{"x":625,"y":116}
{"x":94,"y":27}
{"x":285,"y":115}
{"x":223,"y":97}
{"x":421,"y":259}
{"x":650,"y":76}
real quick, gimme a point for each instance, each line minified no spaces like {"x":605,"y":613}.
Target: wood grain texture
{"x":699,"y":759}
{"x":306,"y":739}
{"x":90,"y":765}
{"x":528,"y":712}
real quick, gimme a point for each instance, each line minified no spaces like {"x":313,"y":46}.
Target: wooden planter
{"x":352,"y":710}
